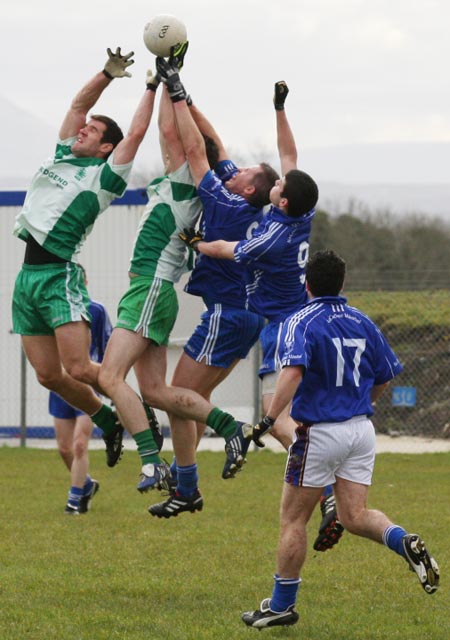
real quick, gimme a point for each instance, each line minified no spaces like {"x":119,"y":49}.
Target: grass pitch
{"x":119,"y":573}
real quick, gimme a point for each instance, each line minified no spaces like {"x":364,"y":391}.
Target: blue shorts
{"x":59,"y":408}
{"x":223,"y":336}
{"x":270,"y":342}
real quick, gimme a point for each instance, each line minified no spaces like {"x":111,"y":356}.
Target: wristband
{"x":107,"y":74}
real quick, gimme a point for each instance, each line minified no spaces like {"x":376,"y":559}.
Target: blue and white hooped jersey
{"x":344,"y":354}
{"x":225,"y":216}
{"x":275,"y":258}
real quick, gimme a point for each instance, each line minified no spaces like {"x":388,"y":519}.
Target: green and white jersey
{"x":173,"y":205}
{"x":66,"y":196}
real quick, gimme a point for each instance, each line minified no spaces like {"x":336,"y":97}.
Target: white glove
{"x":152,"y":80}
{"x":117,"y":64}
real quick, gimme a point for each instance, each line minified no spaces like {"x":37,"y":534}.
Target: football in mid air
{"x":163,"y":32}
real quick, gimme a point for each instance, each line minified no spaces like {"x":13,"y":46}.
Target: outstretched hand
{"x":116,"y":65}
{"x":152,"y":80}
{"x":168,"y":73}
{"x":280,"y":95}
{"x":191,"y":237}
{"x":177,"y":53}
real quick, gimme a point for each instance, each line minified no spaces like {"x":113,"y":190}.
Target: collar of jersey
{"x":328,"y":300}
{"x":279,"y":216}
{"x":83,"y":162}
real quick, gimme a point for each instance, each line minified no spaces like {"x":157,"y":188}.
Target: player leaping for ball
{"x":90,"y":167}
{"x":270,"y":259}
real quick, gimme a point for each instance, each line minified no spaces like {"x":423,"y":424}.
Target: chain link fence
{"x":414,"y":317}
{"x":416,"y":324}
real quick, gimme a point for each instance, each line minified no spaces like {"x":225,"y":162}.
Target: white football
{"x":162,"y":33}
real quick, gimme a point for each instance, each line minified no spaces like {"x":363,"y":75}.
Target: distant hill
{"x":430,"y":200}
{"x":402,"y":177}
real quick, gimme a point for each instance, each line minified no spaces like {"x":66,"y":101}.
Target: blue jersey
{"x":344,"y":355}
{"x":225,"y":216}
{"x":276,"y":257}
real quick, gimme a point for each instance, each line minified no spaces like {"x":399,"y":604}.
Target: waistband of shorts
{"x":357,"y":418}
{"x":49,"y":266}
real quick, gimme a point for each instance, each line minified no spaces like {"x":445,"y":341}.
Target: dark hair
{"x":212,"y":151}
{"x":325,"y":273}
{"x":113,"y":133}
{"x":263,"y":183}
{"x":301,"y":192}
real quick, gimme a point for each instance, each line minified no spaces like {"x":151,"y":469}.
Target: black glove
{"x":171,"y":78}
{"x":280,"y":95}
{"x":116,"y":65}
{"x":191,"y":237}
{"x":264,"y":426}
{"x":177,"y":53}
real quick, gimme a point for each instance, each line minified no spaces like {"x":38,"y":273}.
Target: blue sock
{"x":328,"y":490}
{"x":284,"y":593}
{"x":173,"y":469}
{"x":187,"y":480}
{"x":75,"y":495}
{"x":87,"y":485}
{"x":392,"y":538}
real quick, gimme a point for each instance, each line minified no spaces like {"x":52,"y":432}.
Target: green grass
{"x":410,"y":309}
{"x":118,"y":573}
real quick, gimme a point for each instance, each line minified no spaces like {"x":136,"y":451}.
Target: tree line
{"x":386,"y":252}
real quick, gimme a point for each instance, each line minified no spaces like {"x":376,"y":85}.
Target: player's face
{"x":276,"y":191}
{"x":89,"y":141}
{"x":242,"y":179}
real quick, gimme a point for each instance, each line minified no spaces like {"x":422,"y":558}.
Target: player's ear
{"x":249,"y":189}
{"x":106,"y":148}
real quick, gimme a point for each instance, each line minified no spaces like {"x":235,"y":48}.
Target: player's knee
{"x":351,"y":521}
{"x":65,"y":451}
{"x":78,"y":371}
{"x":80,"y":447}
{"x":51,"y":380}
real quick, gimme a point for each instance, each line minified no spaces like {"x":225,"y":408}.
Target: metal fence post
{"x":23,"y":398}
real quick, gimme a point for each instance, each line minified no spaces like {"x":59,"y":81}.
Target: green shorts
{"x":150,"y":305}
{"x":48,"y":295}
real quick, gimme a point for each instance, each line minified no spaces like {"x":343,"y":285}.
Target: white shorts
{"x":269,"y":382}
{"x":327,"y":450}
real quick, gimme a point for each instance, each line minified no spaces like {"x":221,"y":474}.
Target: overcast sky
{"x":359,"y":71}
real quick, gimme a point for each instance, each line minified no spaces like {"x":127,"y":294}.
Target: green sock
{"x":222,"y":423}
{"x":146,"y":447}
{"x":105,"y":419}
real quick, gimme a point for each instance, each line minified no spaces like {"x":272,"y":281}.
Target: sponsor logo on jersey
{"x":51,"y":175}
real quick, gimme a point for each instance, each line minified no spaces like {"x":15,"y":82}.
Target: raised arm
{"x":126,"y":150}
{"x":86,"y":98}
{"x":172,"y":150}
{"x":192,"y":139}
{"x":287,"y":149}
{"x":207,"y":129}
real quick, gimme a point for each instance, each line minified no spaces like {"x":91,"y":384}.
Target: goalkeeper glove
{"x":177,"y":53}
{"x":116,"y":65}
{"x":191,"y":237}
{"x":171,"y":78}
{"x":280,"y":95}
{"x":264,"y":426}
